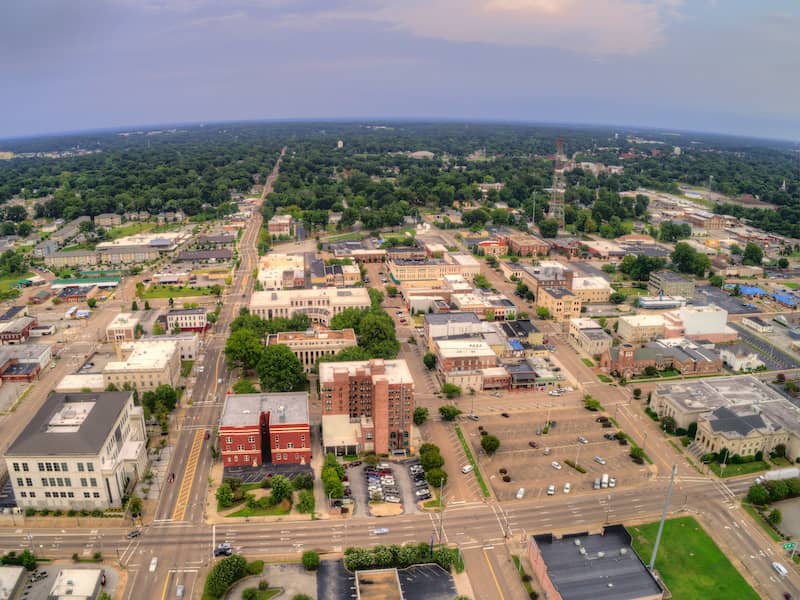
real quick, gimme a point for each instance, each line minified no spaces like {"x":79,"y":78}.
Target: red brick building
{"x":525,"y":245}
{"x":379,"y":390}
{"x":265,"y":428}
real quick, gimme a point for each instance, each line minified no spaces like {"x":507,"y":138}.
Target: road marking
{"x":166,"y":584}
{"x":494,"y":577}
{"x":182,"y":502}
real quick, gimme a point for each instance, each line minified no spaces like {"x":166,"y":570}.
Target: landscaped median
{"x":473,"y":462}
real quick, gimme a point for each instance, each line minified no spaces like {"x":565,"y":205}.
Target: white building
{"x":739,"y":359}
{"x":640,"y":328}
{"x":757,"y":324}
{"x":76,"y":584}
{"x":79,"y":451}
{"x":145,"y":365}
{"x":187,"y":319}
{"x":319,"y":304}
{"x":122,"y":328}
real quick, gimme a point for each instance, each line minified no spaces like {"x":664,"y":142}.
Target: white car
{"x":612,"y":482}
{"x":381,"y":531}
{"x":520,"y":493}
{"x":153,"y":564}
{"x":567,"y":487}
{"x":599,"y":461}
{"x":556,"y":465}
{"x":583,"y":440}
{"x":219,"y":380}
{"x":466,"y":469}
{"x":551,"y":491}
{"x":554,"y":393}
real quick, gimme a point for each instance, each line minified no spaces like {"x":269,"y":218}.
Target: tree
{"x":391,"y":291}
{"x":548,"y":228}
{"x":716,"y":280}
{"x":637,"y":393}
{"x":672,"y":232}
{"x":687,"y":260}
{"x":429,"y":360}
{"x":310,"y":560}
{"x":778,"y":490}
{"x":91,"y":302}
{"x":543,"y":312}
{"x":480,"y":281}
{"x":216,"y":290}
{"x":349,"y":318}
{"x":758,"y":494}
{"x":224,"y":574}
{"x":171,"y":302}
{"x":244,"y":386}
{"x":279,"y":369}
{"x":281,"y":489}
{"x":451,"y":390}
{"x":134,"y":306}
{"x":135,"y":505}
{"x":668,"y":424}
{"x":420,"y":415}
{"x":490,"y":443}
{"x":436,"y":477}
{"x":225,"y":495}
{"x":244,"y":349}
{"x":691,"y":431}
{"x":736,"y":250}
{"x":448,"y":411}
{"x":147,"y":305}
{"x":753,"y":255}
{"x":637,"y":454}
{"x":775,"y":516}
{"x":158,"y":329}
{"x":783,"y":262}
{"x":617,"y":297}
{"x":305,"y":501}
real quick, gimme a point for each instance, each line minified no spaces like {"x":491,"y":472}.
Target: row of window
{"x":51,"y":467}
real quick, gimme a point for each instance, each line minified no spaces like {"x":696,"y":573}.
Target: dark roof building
{"x":205,"y":255}
{"x":592,"y":567}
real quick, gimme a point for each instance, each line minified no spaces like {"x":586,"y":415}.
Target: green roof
{"x":86,"y":281}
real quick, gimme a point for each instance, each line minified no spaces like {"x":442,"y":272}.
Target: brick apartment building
{"x":258,"y":429}
{"x":525,"y":245}
{"x":379,"y":393}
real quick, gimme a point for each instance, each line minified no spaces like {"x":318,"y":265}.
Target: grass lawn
{"x":791,"y":285}
{"x":186,"y":367}
{"x":279,"y":509}
{"x":129,"y":229}
{"x":587,"y":362}
{"x":346,"y":237}
{"x":753,"y":512}
{"x":267,"y":594}
{"x":780,"y":462}
{"x":434,"y":502}
{"x":689,"y":561}
{"x":8,"y":281}
{"x":604,"y":378}
{"x":472,"y":461}
{"x":743,"y":469}
{"x":172,"y":291}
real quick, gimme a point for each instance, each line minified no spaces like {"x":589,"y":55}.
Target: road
{"x":181,"y":507}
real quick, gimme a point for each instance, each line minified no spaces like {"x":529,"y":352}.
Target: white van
{"x":520,"y":493}
{"x":780,"y":569}
{"x":466,"y":469}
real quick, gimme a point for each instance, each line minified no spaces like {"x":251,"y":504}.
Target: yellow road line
{"x":182,"y":501}
{"x":166,"y":585}
{"x":494,"y":577}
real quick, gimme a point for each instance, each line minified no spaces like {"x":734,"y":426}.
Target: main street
{"x":181,"y":507}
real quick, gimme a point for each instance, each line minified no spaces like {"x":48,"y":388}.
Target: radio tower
{"x":557,"y":193}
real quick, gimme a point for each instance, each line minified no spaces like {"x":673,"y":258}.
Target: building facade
{"x":320,"y":305}
{"x":79,"y":451}
{"x":122,"y":328}
{"x":640,"y":328}
{"x":257,"y":429}
{"x":187,"y":319}
{"x":144,"y":365}
{"x":587,"y":335}
{"x":669,"y":283}
{"x":280,"y":225}
{"x":560,"y":303}
{"x":380,"y":390}
{"x":308,"y":346}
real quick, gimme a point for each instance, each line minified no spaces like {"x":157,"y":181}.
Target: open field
{"x":171,"y":291}
{"x":732,"y":470}
{"x":9,"y":280}
{"x":690,"y":563}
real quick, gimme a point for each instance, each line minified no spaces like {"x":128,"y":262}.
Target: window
{"x":16,"y":467}
{"x":60,"y":481}
{"x":20,"y":482}
{"x":63,"y":494}
{"x":246,"y":458}
{"x":93,"y":482}
{"x":47,"y":494}
{"x":29,"y":482}
{"x":70,"y":495}
{"x":23,"y":494}
{"x":228,"y":440}
{"x":277,"y":439}
{"x":90,"y":467}
{"x":52,"y":482}
{"x":87,"y":495}
{"x":290,"y":445}
{"x":96,"y":494}
{"x":64,"y":467}
{"x":240,"y":447}
{"x":48,"y":466}
{"x":67,"y":482}
{"x":83,"y":482}
{"x":302,"y":437}
{"x":285,"y":457}
{"x":25,"y":467}
{"x":44,"y":481}
{"x":236,"y":458}
{"x":80,"y":467}
{"x":251,"y":439}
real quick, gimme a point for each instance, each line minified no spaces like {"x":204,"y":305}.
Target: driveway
{"x":358,"y":485}
{"x":407,"y":488}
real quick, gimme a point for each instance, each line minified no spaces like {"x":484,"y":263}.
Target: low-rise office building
{"x":187,"y":343}
{"x":679,"y":354}
{"x":145,"y":365}
{"x":487,"y":305}
{"x":122,"y":328}
{"x":281,"y":225}
{"x":669,"y":283}
{"x":187,"y":319}
{"x":79,"y":451}
{"x":757,"y":324}
{"x":257,"y":429}
{"x":740,"y":413}
{"x":431,"y":269}
{"x":467,"y":354}
{"x":320,"y":305}
{"x":525,"y":245}
{"x":71,"y":258}
{"x":587,"y":335}
{"x":559,"y":302}
{"x":592,"y":290}
{"x":308,"y":346}
{"x":640,"y":328}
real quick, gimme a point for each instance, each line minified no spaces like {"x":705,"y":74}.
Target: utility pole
{"x":441,"y":512}
{"x":651,"y":566}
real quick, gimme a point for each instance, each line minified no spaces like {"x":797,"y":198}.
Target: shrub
{"x":507,"y":478}
{"x":575,"y":466}
{"x":250,"y":594}
{"x":254,"y":567}
{"x":224,"y":574}
{"x":305,"y":503}
{"x":30,"y":512}
{"x":301,"y":597}
{"x":775,"y":516}
{"x":304,"y":481}
{"x":281,"y":489}
{"x":72,"y":512}
{"x":263,"y":585}
{"x":436,"y":477}
{"x":490,"y":444}
{"x":449,"y":412}
{"x":310,"y":560}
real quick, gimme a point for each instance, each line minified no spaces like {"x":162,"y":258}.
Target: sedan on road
{"x":381,"y":531}
{"x":533,"y":444}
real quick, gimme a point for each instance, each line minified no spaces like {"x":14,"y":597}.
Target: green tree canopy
{"x":279,"y":369}
{"x":244,"y":349}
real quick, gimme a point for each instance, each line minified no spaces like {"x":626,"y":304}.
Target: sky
{"x":728,"y":66}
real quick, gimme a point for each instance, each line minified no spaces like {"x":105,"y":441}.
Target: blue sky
{"x":731,"y":66}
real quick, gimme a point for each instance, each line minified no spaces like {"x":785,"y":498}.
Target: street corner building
{"x":80,"y":451}
{"x":258,"y":429}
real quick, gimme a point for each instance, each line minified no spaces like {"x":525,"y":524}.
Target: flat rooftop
{"x":669,"y":276}
{"x":123,"y":320}
{"x":396,"y":371}
{"x":643,"y":320}
{"x":558,"y":292}
{"x":466,"y":347}
{"x":452,"y":317}
{"x":70,"y":424}
{"x":351,"y":296}
{"x":75,"y":583}
{"x":144,"y":355}
{"x":331,"y":335}
{"x":380,"y":584}
{"x":599,"y":566}
{"x":244,"y":409}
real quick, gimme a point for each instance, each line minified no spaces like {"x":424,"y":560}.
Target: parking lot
{"x":531,"y":468}
{"x":708,"y":294}
{"x":389,"y":482}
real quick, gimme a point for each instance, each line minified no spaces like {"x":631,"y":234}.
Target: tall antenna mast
{"x":557,"y":192}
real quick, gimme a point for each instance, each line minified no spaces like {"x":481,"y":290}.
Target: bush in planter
{"x":97,"y":513}
{"x":75,"y":557}
{"x":503,"y":471}
{"x":263,"y":585}
{"x":72,"y":512}
{"x":254,"y":567}
{"x":58,"y":513}
{"x":30,"y":512}
{"x":507,"y":478}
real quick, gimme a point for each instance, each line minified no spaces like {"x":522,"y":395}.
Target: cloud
{"x":595,"y":27}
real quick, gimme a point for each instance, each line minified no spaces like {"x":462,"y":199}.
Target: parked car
{"x":583,"y":440}
{"x":596,"y":485}
{"x":520,"y":493}
{"x":223,"y":549}
{"x":567,"y":487}
{"x":547,"y":451}
{"x":551,"y":490}
{"x":381,"y":531}
{"x":556,"y":465}
{"x":533,"y":444}
{"x":609,"y":436}
{"x":134,"y":534}
{"x":466,"y":469}
{"x":599,"y":460}
{"x":612,"y":482}
{"x":505,"y":414}
{"x":472,"y":417}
